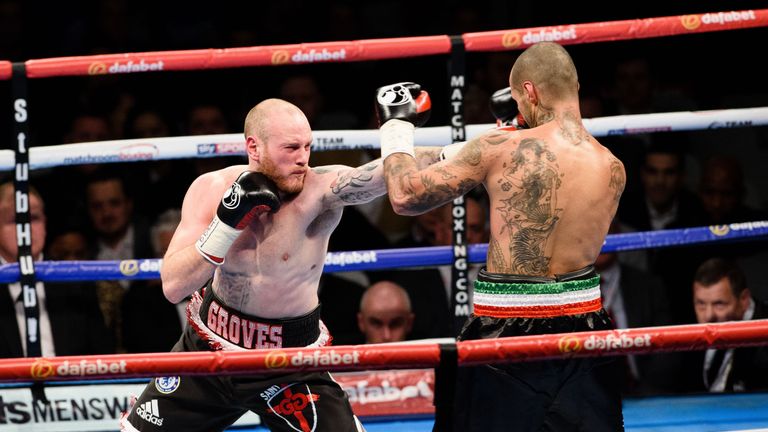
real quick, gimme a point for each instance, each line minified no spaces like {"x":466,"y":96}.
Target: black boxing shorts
{"x":228,"y":329}
{"x":302,"y":401}
{"x":549,"y":395}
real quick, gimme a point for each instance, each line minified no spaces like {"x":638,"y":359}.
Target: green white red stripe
{"x":528,"y":300}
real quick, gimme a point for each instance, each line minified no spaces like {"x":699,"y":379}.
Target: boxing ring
{"x":391,"y":386}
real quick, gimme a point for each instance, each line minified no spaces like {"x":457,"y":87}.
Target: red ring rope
{"x":395,"y":356}
{"x":378,"y":49}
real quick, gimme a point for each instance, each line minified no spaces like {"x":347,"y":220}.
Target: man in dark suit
{"x":70,"y":320}
{"x":664,"y":203}
{"x":635,"y":298}
{"x":720,"y":294}
{"x":144,"y":308}
{"x":117,"y":232}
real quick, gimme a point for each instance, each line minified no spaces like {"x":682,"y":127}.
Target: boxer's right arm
{"x":251,"y":194}
{"x":184,"y":268}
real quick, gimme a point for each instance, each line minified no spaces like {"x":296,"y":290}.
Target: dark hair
{"x":669,"y":143}
{"x":109,"y":173}
{"x":478,"y":194}
{"x":713,"y":270}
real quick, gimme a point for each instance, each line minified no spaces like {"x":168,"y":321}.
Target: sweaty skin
{"x":553,"y":190}
{"x":273,"y":268}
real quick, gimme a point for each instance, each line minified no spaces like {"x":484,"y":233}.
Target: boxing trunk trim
{"x":536,"y":300}
{"x":278,"y":333}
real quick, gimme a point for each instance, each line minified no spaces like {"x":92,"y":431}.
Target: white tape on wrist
{"x":216,"y":240}
{"x":396,"y":137}
{"x":449,"y":151}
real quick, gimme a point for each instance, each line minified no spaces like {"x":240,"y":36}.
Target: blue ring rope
{"x":50,"y":271}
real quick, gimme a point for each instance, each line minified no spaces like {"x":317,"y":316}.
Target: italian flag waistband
{"x":537,"y":300}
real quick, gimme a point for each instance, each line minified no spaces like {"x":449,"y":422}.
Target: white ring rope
{"x":232,"y":144}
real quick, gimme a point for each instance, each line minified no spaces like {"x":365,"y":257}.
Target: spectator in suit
{"x":116,"y":234}
{"x":66,"y":199}
{"x":635,"y":298}
{"x":385,"y":313}
{"x":144,"y":308}
{"x":69,"y":244}
{"x":720,"y":294}
{"x":70,"y":320}
{"x":722,"y":191}
{"x":636,"y":89}
{"x":664,"y":203}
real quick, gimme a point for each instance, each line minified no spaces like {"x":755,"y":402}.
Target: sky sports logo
{"x":221,"y":148}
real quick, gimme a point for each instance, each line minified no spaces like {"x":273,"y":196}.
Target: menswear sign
{"x":73,"y":408}
{"x":76,"y":408}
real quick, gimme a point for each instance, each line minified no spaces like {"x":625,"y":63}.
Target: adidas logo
{"x":149,"y":412}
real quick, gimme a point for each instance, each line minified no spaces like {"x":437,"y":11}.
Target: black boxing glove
{"x":504,"y":108}
{"x":251,"y":194}
{"x":400,"y":108}
{"x":403,"y":101}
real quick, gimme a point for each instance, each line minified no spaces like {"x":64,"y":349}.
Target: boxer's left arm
{"x":413,"y":191}
{"x":350,"y":186}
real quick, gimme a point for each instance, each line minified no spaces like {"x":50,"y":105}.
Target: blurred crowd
{"x":125,"y":211}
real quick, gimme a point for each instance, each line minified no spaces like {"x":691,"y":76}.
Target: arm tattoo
{"x":530,"y":211}
{"x":352,"y":186}
{"x":445,"y":174}
{"x":435,"y":193}
{"x":618,"y":179}
{"x":426,"y":156}
{"x":424,"y":190}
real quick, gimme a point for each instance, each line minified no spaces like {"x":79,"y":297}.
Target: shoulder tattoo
{"x":618,"y":179}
